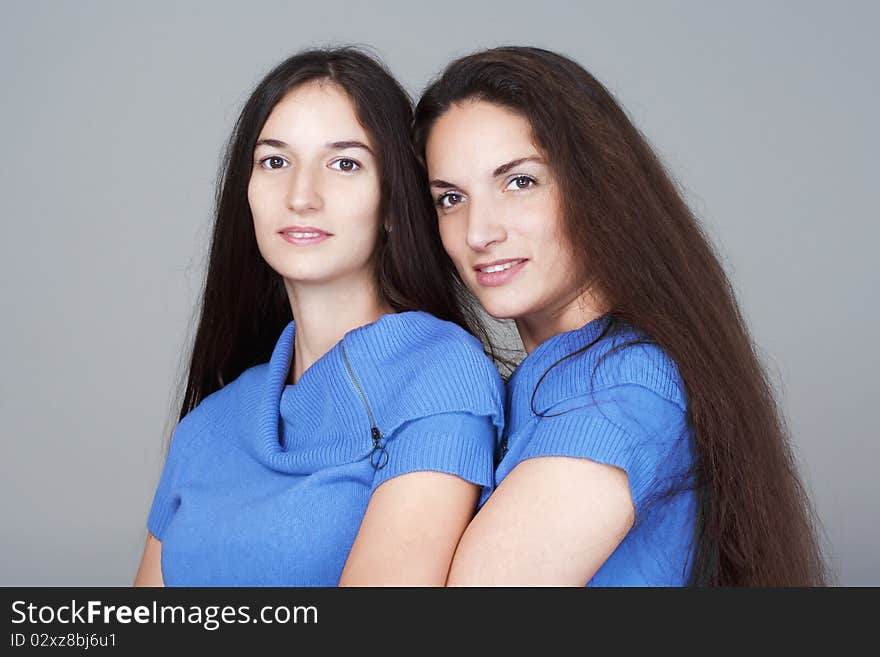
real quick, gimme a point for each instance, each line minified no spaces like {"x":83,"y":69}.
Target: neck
{"x":325,"y":312}
{"x":536,"y":328}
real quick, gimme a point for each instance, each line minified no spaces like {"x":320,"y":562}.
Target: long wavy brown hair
{"x":644,"y":250}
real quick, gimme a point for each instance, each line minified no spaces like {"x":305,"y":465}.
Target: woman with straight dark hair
{"x":642,"y":445}
{"x":339,"y":421}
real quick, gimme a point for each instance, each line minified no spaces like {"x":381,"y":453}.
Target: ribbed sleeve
{"x":460,"y":444}
{"x":627,"y":426}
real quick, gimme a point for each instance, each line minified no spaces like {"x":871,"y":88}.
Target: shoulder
{"x":624,"y":406}
{"x":444,"y":347}
{"x":627,"y":393}
{"x":420,"y":365}
{"x":431,"y":333}
{"x":635,"y":359}
{"x":222,"y":407}
{"x":630,"y":360}
{"x":424,"y":346}
{"x":624,"y":373}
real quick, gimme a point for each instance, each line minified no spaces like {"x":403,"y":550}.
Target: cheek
{"x":541,"y":226}
{"x":356,"y":203}
{"x":258,"y":201}
{"x":452,"y":237}
{"x":559,"y":276}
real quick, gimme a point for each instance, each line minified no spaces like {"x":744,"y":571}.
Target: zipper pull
{"x":379,"y":456}
{"x":501,"y":452}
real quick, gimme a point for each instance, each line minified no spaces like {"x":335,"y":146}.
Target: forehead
{"x":475,"y":135}
{"x":316,"y":111}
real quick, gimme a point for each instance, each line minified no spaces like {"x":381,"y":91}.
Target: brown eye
{"x":273,"y":162}
{"x":345,"y":165}
{"x":520,"y":182}
{"x":448,"y":200}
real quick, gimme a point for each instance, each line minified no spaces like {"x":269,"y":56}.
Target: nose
{"x":304,"y":194}
{"x":485,"y":227}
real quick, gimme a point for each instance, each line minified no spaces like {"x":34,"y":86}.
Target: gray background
{"x":113,"y":116}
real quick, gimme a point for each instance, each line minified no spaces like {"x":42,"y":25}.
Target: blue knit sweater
{"x":629,"y":411}
{"x":266,"y":483}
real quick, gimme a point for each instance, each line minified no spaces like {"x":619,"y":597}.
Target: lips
{"x":304,"y":235}
{"x":499,"y":272}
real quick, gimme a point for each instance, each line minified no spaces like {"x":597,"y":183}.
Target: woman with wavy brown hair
{"x":643,"y":444}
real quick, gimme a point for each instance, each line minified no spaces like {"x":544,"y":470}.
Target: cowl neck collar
{"x":403,"y":366}
{"x":320,"y":419}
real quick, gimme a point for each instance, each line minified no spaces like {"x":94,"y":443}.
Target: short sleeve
{"x":626,"y":426}
{"x":458,"y":443}
{"x":166,"y":499}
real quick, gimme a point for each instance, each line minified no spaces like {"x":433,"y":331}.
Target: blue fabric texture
{"x":619,"y":400}
{"x":266,"y":483}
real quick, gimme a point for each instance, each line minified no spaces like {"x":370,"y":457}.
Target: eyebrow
{"x":504,"y":168}
{"x":499,"y":171}
{"x":333,"y":145}
{"x":350,"y":143}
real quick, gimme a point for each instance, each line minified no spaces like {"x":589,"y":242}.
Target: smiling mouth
{"x":491,"y":269}
{"x":498,"y":273}
{"x":302,"y":235}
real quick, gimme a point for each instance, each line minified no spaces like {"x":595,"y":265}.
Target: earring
{"x":387,"y":228}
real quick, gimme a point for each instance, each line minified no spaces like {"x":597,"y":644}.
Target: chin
{"x":316,"y":271}
{"x":502,"y":307}
{"x":302,"y":273}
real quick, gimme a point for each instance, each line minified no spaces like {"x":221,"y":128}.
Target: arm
{"x":150,"y":571}
{"x":553,"y":521}
{"x":409,"y":532}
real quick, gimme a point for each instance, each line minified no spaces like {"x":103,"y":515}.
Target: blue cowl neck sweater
{"x":266,"y":483}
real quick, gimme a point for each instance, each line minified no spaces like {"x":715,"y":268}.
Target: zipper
{"x":378,"y":456}
{"x":501,"y":452}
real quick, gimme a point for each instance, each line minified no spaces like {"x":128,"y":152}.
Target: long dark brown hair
{"x":643,"y":249}
{"x":244,"y":304}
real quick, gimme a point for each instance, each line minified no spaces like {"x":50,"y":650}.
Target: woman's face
{"x":314,"y":188}
{"x":499,"y":213}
